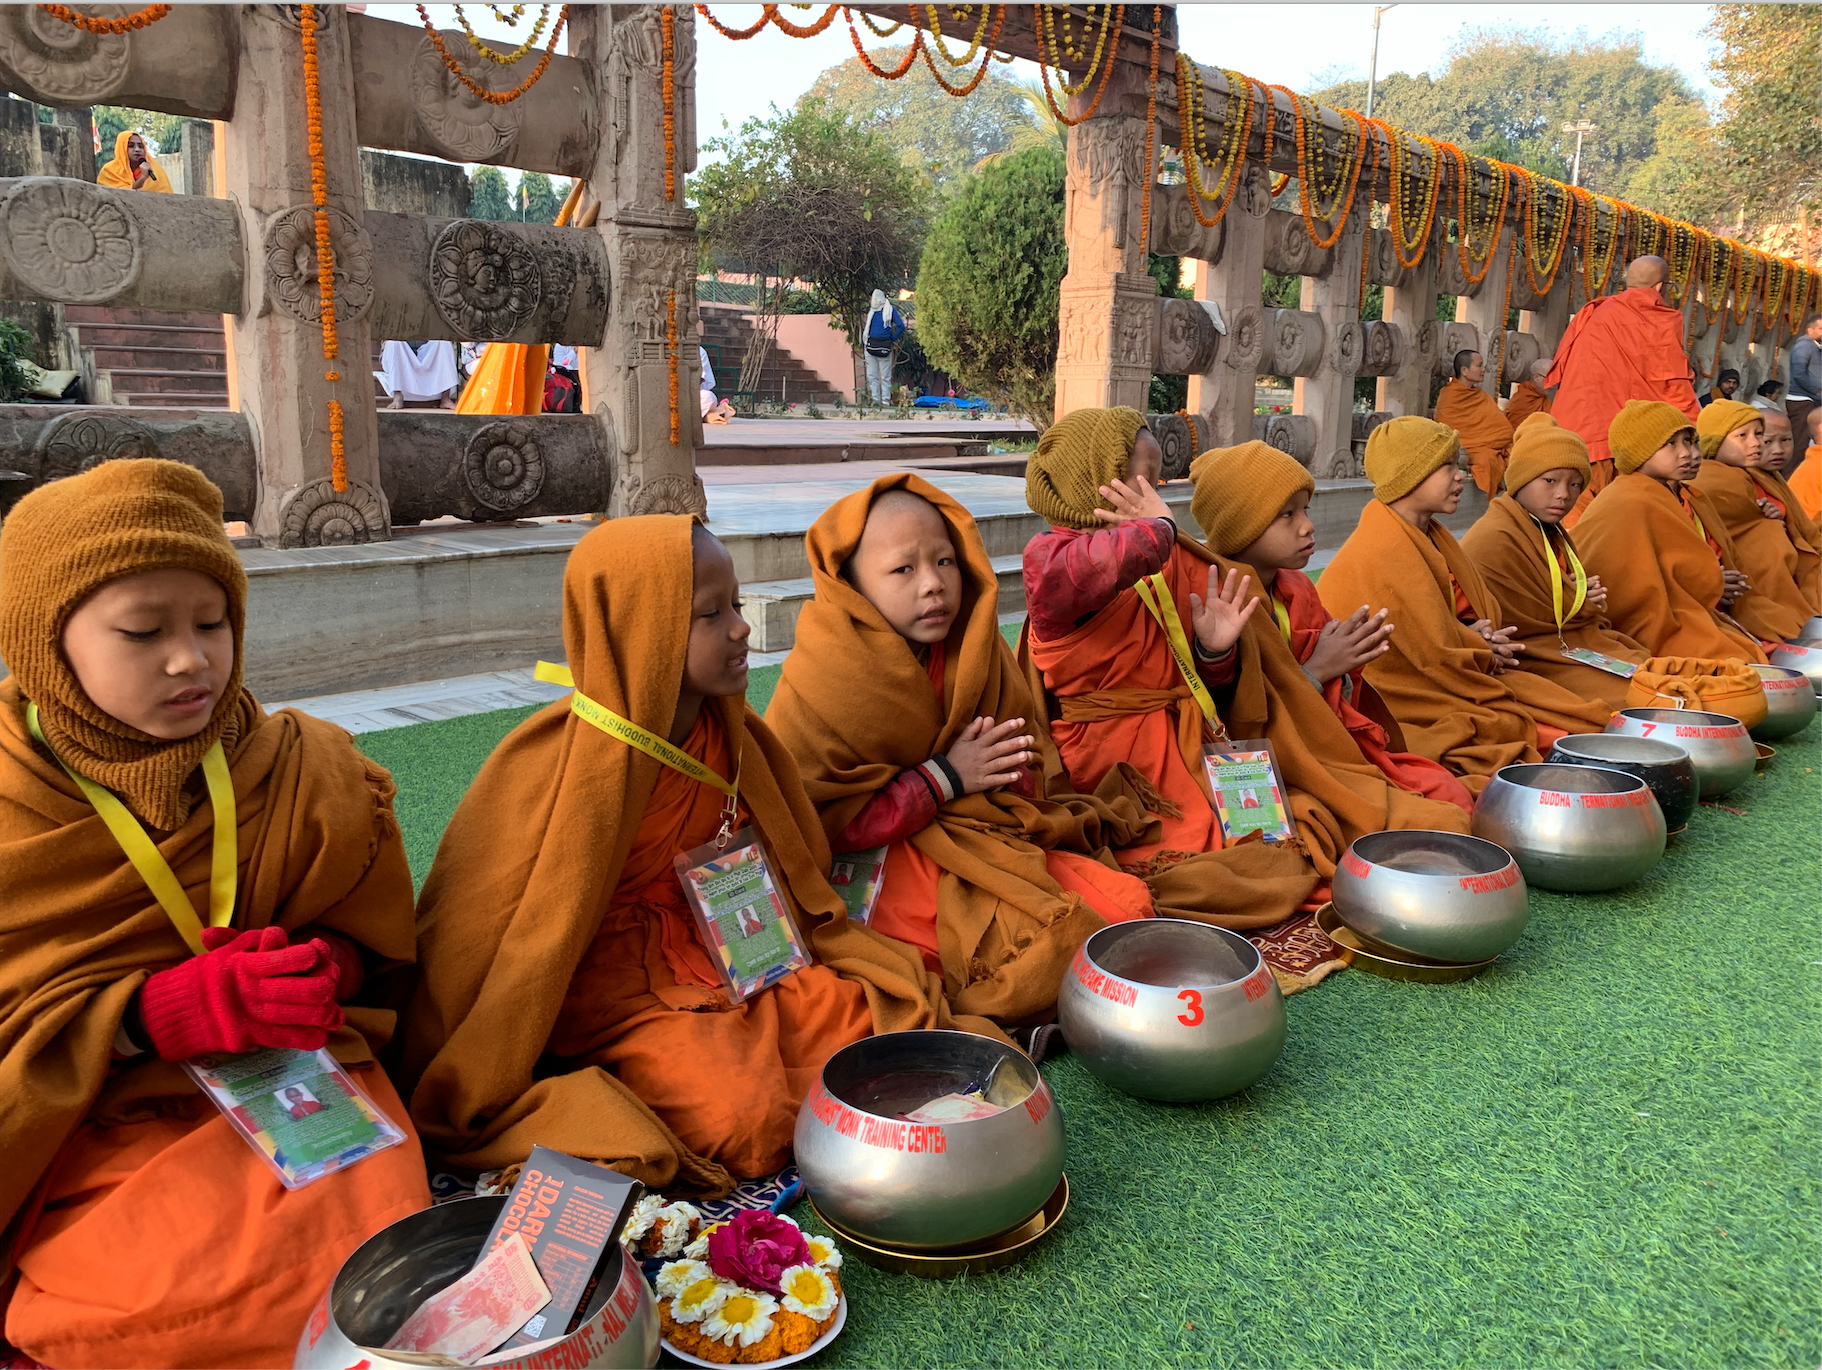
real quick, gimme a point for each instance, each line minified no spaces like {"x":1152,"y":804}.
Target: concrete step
{"x":123,"y":360}
{"x":157,"y":318}
{"x":772,"y":606}
{"x":142,"y":380}
{"x":151,"y":335}
{"x":172,"y":399}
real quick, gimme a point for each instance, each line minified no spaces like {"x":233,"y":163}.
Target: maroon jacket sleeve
{"x":1071,"y":575}
{"x":905,"y":806}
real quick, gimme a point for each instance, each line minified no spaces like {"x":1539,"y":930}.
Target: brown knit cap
{"x":1077,"y":455}
{"x":64,"y":541}
{"x":1540,"y":445}
{"x":1239,"y":491}
{"x":1640,"y":428}
{"x":1402,"y":452}
{"x":1721,"y":418}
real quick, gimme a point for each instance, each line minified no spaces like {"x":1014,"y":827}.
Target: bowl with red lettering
{"x":1171,"y":1010}
{"x":1790,"y":703}
{"x":1444,"y":896}
{"x":929,"y":1140}
{"x":1719,"y":746}
{"x":1572,"y":828}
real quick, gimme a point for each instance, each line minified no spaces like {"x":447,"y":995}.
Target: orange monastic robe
{"x":1778,"y":555}
{"x":1486,"y":432}
{"x":1806,"y":483}
{"x":1527,"y":399}
{"x":1663,"y":577}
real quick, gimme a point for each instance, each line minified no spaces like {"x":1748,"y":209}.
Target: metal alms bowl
{"x":1811,"y":631}
{"x":1441,"y":895}
{"x":1800,"y":656}
{"x":1172,"y":1010}
{"x":927,"y":1186}
{"x":1790,"y":702}
{"x":1575,"y":828}
{"x":394,"y":1271}
{"x":1664,"y":766}
{"x":1718,"y":744}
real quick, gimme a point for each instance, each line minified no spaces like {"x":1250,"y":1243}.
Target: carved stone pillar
{"x":1224,"y":395}
{"x":1485,"y":308}
{"x":277,"y":338}
{"x":1411,"y":305}
{"x":651,"y":243}
{"x":1327,"y":394}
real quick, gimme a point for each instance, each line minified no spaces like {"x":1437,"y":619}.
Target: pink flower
{"x":755,"y":1249}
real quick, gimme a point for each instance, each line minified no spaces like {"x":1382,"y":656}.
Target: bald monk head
{"x":1540,"y":371}
{"x":907,"y":567}
{"x":1647,"y":273}
{"x":1471,"y":367}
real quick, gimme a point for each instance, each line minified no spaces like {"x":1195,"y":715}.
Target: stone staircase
{"x":151,"y":359}
{"x":784,"y":379}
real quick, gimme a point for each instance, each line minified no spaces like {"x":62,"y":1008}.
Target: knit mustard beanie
{"x":64,"y":541}
{"x":1642,"y":427}
{"x":1402,"y":452}
{"x":1239,"y":491}
{"x":1540,"y":446}
{"x":1077,"y":455}
{"x":1721,"y":418}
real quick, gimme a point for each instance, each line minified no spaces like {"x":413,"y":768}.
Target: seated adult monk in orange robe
{"x":1443,"y":675}
{"x":1253,"y":502}
{"x":1659,"y":546}
{"x":566,"y":996}
{"x":1514,"y":546}
{"x":1774,"y":541}
{"x":1485,"y":431}
{"x":1806,"y":480}
{"x":139,"y":1226}
{"x":1529,"y":396}
{"x":1618,"y":348}
{"x":917,"y":731}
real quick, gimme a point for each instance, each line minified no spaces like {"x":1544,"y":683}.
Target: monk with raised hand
{"x":140,"y":1228}
{"x":1443,"y":676}
{"x":1774,"y":541}
{"x":1659,"y":546}
{"x":566,"y":997}
{"x":1531,"y":565}
{"x":1484,"y":429}
{"x":1529,"y":396}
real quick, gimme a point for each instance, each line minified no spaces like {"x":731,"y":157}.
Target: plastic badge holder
{"x":1248,"y":790}
{"x":858,"y":877}
{"x":740,"y":914}
{"x":303,"y":1114}
{"x":1601,"y":661}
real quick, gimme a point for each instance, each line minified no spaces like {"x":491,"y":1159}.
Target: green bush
{"x":15,"y":345}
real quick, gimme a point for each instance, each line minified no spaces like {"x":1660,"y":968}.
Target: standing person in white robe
{"x":419,"y":371}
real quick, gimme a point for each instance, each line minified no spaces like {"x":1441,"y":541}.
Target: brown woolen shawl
{"x":1770,"y":551}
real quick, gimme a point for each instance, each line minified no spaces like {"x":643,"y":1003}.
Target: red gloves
{"x":249,"y":989}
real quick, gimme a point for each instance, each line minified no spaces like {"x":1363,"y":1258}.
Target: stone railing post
{"x":1326,"y":396}
{"x":1484,"y":306}
{"x":1224,"y":397}
{"x":1411,"y":306}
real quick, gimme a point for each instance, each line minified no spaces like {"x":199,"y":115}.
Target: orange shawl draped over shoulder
{"x":1620,"y":347}
{"x":1506,"y":546}
{"x":530,"y":873}
{"x":1437,"y":679}
{"x":1777,"y":555}
{"x":1527,"y":399}
{"x":1663,"y":579}
{"x":144,"y":1231}
{"x":1486,"y":432}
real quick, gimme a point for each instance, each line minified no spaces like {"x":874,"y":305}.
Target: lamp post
{"x":1578,"y":129}
{"x":1373,"y":64}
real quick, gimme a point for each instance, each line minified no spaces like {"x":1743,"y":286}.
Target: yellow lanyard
{"x":1556,"y":579}
{"x":1156,"y":596}
{"x":144,"y":855}
{"x":1283,"y":615}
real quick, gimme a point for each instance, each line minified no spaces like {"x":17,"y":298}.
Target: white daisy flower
{"x":809,"y":1291}
{"x":697,"y":1301}
{"x":672,"y":1226}
{"x":698,"y":1250}
{"x":824,"y":1254}
{"x":744,"y":1316}
{"x":678,"y":1276}
{"x":639,"y":1222}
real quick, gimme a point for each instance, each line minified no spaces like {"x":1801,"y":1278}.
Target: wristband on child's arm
{"x":942,"y":777}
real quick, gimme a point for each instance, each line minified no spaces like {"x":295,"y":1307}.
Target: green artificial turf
{"x":1603,"y":1152}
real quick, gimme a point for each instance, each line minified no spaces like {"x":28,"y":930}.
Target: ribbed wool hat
{"x":1401,"y":453}
{"x":64,"y":541}
{"x":1077,"y":455}
{"x":1642,"y":427}
{"x":1721,"y":418}
{"x":1540,"y":445}
{"x":1239,"y":491}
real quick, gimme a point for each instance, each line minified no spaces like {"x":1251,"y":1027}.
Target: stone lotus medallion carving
{"x":75,"y":442}
{"x":502,"y":466}
{"x":69,"y":241}
{"x":318,"y":515}
{"x":1345,"y":346}
{"x":1246,"y":331}
{"x":485,"y":282}
{"x":463,"y":128}
{"x":668,"y":494}
{"x":291,"y":265}
{"x":59,"y":62}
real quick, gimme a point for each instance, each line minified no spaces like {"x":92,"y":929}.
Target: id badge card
{"x":858,"y":877}
{"x":1249,"y":793}
{"x":740,"y":914}
{"x":1601,"y":661}
{"x":303,"y":1114}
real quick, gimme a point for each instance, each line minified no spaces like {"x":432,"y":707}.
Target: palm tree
{"x":1043,"y":129}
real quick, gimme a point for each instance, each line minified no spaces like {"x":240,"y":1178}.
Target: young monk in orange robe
{"x":1806,"y":480}
{"x":1659,"y":546}
{"x":1253,"y":502}
{"x":1484,"y":429}
{"x":566,"y":997}
{"x":1513,"y":546}
{"x":1445,"y":675}
{"x":1529,"y":396}
{"x":139,"y":1226}
{"x":1774,"y":541}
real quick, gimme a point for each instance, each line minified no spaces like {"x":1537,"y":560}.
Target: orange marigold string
{"x":669,"y":23}
{"x":325,"y":255}
{"x":475,"y":88}
{"x":671,"y":338}
{"x":765,"y":17}
{"x":1151,"y":129}
{"x":860,"y":51}
{"x":999,"y":18}
{"x":803,"y":30}
{"x":1108,"y":56}
{"x":151,"y":14}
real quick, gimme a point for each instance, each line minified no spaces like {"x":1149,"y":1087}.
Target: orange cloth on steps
{"x":1777,"y":555}
{"x":1527,"y":399}
{"x":1486,"y":432}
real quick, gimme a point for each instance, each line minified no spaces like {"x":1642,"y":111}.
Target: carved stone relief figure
{"x":291,"y":264}
{"x":463,"y":127}
{"x":1106,"y":163}
{"x":486,"y":283}
{"x":1245,"y":345}
{"x":75,"y":442}
{"x":69,"y":241}
{"x":59,"y":62}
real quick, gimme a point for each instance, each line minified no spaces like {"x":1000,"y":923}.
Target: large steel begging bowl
{"x":1790,"y":702}
{"x":391,"y":1273}
{"x":1171,"y":1010}
{"x":1664,"y":766}
{"x":1718,"y":745}
{"x":1575,"y":828}
{"x":1811,"y":631}
{"x":1440,"y":895}
{"x":1804,"y":657}
{"x":926,"y":1186}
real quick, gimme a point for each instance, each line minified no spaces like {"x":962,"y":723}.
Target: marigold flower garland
{"x":1151,"y":130}
{"x":998,"y":18}
{"x":1115,"y":22}
{"x":1306,"y":112}
{"x":1410,"y":247}
{"x":325,"y":255}
{"x":668,"y":22}
{"x":1192,"y":114}
{"x":475,"y":88}
{"x":151,"y":14}
{"x":504,"y":59}
{"x":670,"y":335}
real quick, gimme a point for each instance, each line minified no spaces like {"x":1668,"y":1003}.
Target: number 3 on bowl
{"x":1192,"y":997}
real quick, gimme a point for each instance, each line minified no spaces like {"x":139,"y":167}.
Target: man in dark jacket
{"x":1805,"y":374}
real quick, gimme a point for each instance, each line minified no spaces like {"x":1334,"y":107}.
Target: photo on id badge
{"x":740,"y":914}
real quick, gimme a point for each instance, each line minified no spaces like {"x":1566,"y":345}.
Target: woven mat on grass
{"x":1299,"y":953}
